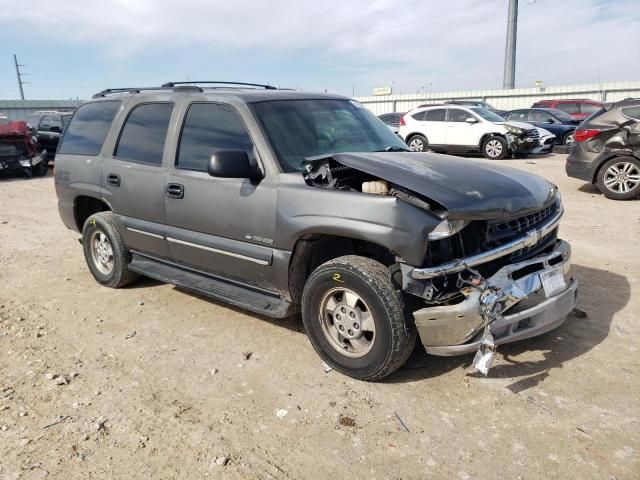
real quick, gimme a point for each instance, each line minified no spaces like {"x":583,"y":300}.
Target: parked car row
{"x":47,"y":126}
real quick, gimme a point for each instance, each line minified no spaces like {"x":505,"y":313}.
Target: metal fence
{"x":20,"y":109}
{"x":504,"y":99}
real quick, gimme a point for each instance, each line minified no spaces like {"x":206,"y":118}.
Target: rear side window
{"x":632,"y":112}
{"x":589,"y":108}
{"x":435,"y":115}
{"x":88,"y":128}
{"x":419,"y":116}
{"x":568,"y":107}
{"x":208,"y":128}
{"x":520,"y":116}
{"x":144,"y":132}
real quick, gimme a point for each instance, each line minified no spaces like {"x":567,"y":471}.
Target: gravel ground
{"x":151,"y":381}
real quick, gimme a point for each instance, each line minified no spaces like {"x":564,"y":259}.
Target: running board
{"x":215,"y":288}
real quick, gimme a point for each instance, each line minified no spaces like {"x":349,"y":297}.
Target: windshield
{"x":487,"y":114}
{"x":560,"y":115}
{"x":298,"y":129}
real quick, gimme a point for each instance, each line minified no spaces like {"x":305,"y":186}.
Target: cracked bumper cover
{"x":457,"y":329}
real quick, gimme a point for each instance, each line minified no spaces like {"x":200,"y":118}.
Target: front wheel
{"x":494,"y":148}
{"x":355,"y":319}
{"x":619,"y":178}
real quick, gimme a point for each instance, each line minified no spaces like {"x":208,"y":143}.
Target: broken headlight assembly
{"x":447,"y":228}
{"x":514,"y":130}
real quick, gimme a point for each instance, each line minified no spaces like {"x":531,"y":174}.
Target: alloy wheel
{"x":493,"y":148}
{"x":622,"y":177}
{"x":347,"y":322}
{"x":102,"y":252}
{"x":416,"y":145}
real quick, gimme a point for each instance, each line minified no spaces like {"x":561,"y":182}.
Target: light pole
{"x":509,"y":78}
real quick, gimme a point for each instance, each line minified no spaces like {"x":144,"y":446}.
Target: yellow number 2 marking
{"x":336,"y":278}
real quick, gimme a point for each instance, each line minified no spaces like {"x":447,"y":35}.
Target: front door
{"x":133,"y":178}
{"x":222,"y":226}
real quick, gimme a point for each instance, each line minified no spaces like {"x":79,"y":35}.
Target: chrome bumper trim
{"x":529,"y":240}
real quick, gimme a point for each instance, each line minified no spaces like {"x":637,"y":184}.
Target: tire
{"x":619,"y":178}
{"x":41,"y":169}
{"x":105,"y":252}
{"x":386,"y":338}
{"x":568,"y":138}
{"x":495,"y":148}
{"x":418,"y":143}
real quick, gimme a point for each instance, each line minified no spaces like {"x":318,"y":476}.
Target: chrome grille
{"x":533,"y":133}
{"x":520,"y":224}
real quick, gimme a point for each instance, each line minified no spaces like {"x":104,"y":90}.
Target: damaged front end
{"x":494,"y":270}
{"x":521,"y":139}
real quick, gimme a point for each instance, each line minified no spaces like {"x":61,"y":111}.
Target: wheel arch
{"x":86,"y":205}
{"x":313,"y":249}
{"x":487,"y":136}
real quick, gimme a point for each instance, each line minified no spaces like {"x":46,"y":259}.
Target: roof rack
{"x":215,"y":82}
{"x":179,"y":86}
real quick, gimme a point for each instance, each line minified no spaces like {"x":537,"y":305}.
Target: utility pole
{"x":509,"y":78}
{"x":19,"y":74}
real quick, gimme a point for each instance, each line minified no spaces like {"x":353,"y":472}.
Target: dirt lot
{"x":153,"y":382}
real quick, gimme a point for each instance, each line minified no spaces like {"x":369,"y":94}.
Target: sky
{"x":74,"y":48}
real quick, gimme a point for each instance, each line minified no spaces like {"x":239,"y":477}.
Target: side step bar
{"x":215,"y":288}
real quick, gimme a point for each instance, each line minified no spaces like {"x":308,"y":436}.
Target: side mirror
{"x":549,"y":120}
{"x":471,"y":120}
{"x":232,"y":164}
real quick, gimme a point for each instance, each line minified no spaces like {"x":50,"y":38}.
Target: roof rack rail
{"x":215,"y":82}
{"x":112,"y":91}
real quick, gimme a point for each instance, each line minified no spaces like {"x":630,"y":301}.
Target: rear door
{"x":434,"y":127}
{"x":223,"y":226}
{"x":133,"y":177}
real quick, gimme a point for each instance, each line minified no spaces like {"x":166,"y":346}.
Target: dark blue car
{"x":561,"y":124}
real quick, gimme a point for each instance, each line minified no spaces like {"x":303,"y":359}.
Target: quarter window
{"x":568,"y":107}
{"x":88,"y":128}
{"x":208,"y":128}
{"x":435,"y":115}
{"x":144,"y":132}
{"x":632,"y":112}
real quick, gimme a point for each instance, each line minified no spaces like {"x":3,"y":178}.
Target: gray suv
{"x":282,"y":202}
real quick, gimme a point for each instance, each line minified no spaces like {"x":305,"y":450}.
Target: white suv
{"x":458,"y":129}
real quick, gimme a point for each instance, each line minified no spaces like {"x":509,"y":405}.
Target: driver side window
{"x":208,"y":128}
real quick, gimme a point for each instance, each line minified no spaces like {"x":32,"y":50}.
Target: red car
{"x":20,"y":151}
{"x":577,"y":108}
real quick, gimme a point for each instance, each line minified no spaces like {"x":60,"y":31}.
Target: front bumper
{"x":525,"y":310}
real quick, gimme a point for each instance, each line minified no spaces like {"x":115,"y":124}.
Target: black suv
{"x":607,"y":150}
{"x":48,"y":126}
{"x":278,"y":201}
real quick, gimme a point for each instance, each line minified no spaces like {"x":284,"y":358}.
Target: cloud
{"x":448,"y":44}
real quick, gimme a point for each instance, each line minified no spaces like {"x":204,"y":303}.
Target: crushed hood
{"x":468,"y":189}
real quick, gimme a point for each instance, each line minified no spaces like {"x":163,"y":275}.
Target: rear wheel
{"x":619,"y":178}
{"x":105,"y":252}
{"x":355,"y":319}
{"x":418,"y":143}
{"x":494,"y":148}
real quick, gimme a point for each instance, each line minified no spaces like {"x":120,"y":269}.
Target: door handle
{"x":174,"y":190}
{"x":113,"y":179}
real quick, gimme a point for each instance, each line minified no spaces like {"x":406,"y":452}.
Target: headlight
{"x":447,"y":228}
{"x":25,"y":162}
{"x":514,"y":130}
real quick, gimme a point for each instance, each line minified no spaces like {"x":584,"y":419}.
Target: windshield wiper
{"x":393,"y":148}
